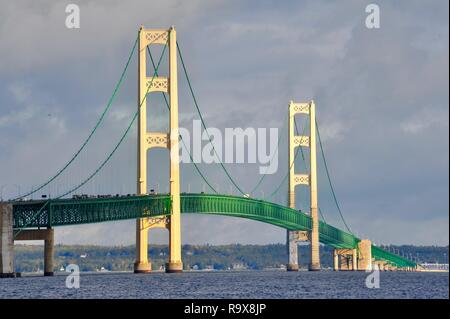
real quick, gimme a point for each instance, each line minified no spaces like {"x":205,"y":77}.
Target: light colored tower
{"x":303,"y":179}
{"x":147,"y":140}
{"x":315,"y":254}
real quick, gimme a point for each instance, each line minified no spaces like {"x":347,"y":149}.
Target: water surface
{"x":245,"y":284}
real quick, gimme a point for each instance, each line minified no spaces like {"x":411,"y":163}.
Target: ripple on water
{"x":245,"y":284}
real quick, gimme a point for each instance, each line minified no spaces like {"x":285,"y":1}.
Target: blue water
{"x":245,"y":284}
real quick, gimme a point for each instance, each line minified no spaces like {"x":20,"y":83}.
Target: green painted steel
{"x":64,"y":212}
{"x":390,"y":258}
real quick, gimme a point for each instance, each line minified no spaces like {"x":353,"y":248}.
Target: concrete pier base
{"x":6,"y":241}
{"x":142,"y":267}
{"x":173,"y":267}
{"x":314,"y":267}
{"x":292,"y":267}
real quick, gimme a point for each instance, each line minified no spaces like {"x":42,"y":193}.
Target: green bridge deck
{"x":65,"y":212}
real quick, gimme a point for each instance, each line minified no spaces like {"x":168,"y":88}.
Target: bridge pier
{"x":354,"y":259}
{"x":49,"y":252}
{"x":6,"y":241}
{"x":335,"y":260}
{"x":293,"y":238}
{"x":365,"y":255}
{"x":292,"y":247}
{"x":348,"y":259}
{"x":7,"y":238}
{"x":141,"y":264}
{"x":48,"y":236}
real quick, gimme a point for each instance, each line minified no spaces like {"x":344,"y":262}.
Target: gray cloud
{"x":382,"y":98}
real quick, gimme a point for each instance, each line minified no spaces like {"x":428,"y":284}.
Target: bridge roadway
{"x":63,"y":212}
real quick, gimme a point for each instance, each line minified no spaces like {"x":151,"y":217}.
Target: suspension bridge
{"x":22,"y":219}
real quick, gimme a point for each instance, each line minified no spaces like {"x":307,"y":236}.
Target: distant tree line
{"x":29,"y":258}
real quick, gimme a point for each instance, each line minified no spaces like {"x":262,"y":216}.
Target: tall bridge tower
{"x":169,"y":140}
{"x":303,"y":179}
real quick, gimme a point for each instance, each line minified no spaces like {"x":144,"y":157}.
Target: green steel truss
{"x":64,"y":212}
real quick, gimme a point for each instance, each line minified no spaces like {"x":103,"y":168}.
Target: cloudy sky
{"x":381,"y":94}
